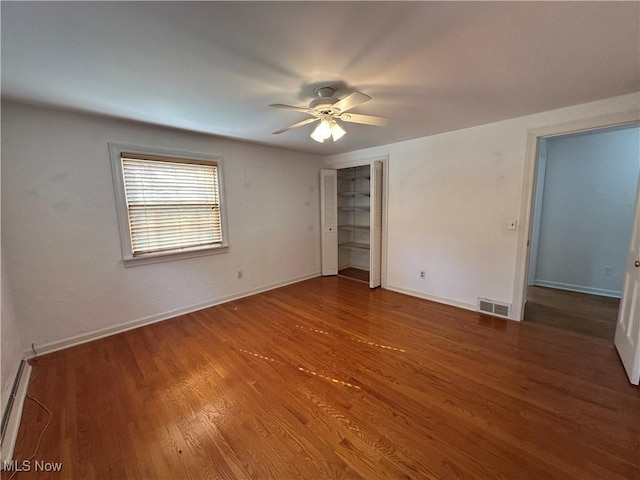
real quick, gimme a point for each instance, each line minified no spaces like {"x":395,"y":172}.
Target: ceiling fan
{"x":328,"y":109}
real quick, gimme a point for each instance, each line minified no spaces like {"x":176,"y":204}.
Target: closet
{"x":351,"y":209}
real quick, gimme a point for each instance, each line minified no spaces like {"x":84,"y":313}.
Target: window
{"x":170,"y":204}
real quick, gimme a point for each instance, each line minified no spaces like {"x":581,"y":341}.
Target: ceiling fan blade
{"x":364,"y":119}
{"x":291,"y":107}
{"x":296,"y":125}
{"x":351,"y":101}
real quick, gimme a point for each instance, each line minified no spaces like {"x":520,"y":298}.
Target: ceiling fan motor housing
{"x":325,"y":100}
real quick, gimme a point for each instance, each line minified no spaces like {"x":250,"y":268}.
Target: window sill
{"x":171,"y":256}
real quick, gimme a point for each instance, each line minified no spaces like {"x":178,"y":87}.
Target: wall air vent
{"x":493,"y":308}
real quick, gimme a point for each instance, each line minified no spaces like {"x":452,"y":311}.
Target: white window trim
{"x":115,"y":153}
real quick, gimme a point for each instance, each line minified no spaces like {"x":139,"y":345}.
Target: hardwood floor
{"x":579,"y":312}
{"x":329,"y":379}
{"x":355,"y":273}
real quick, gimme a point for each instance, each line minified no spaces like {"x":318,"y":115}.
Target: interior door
{"x":375,"y":226}
{"x":329,"y":220}
{"x":627,"y":338}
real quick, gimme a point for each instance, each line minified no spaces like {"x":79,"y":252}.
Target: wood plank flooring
{"x":355,"y":273}
{"x":329,"y":379}
{"x":579,"y":312}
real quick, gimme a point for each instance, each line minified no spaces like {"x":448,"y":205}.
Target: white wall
{"x":60,"y":232}
{"x":10,"y":342}
{"x":590,"y":183}
{"x":450,"y":198}
{"x":11,"y":347}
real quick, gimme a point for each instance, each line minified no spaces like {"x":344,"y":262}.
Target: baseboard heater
{"x":7,"y":412}
{"x":493,"y":308}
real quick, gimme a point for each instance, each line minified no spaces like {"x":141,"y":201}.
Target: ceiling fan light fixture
{"x":322,"y":131}
{"x":337,"y":132}
{"x":316,"y":135}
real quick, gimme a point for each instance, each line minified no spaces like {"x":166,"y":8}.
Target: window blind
{"x":172,"y":204}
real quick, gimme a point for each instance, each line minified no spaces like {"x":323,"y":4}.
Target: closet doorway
{"x":353,"y":221}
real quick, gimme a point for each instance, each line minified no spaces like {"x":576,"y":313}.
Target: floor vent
{"x":493,"y":308}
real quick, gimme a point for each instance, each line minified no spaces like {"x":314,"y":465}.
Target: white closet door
{"x":627,"y":339}
{"x":375,"y":251}
{"x":329,"y":220}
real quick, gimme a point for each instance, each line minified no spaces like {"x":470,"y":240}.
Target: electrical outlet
{"x":422,"y":274}
{"x":607,"y":270}
{"x":239,"y":273}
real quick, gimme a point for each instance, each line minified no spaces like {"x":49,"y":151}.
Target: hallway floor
{"x":592,"y":315}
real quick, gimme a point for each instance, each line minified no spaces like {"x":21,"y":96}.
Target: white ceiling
{"x":215,"y":66}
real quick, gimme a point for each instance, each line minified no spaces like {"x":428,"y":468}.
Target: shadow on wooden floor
{"x":592,"y":315}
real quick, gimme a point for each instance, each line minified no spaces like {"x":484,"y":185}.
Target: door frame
{"x":530,"y":172}
{"x":385,"y":200}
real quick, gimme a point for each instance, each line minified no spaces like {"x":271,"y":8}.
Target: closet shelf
{"x":354,"y":246}
{"x":354,"y":194}
{"x":354,"y":228}
{"x":354,"y":209}
{"x":355,"y":177}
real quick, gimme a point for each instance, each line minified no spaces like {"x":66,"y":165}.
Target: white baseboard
{"x":9,"y":442}
{"x":447,"y":301}
{"x":577,"y":288}
{"x":123,"y":327}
